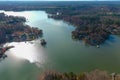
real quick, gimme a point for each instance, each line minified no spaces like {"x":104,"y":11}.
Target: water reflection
{"x":31,"y":51}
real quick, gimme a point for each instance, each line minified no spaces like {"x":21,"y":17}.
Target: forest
{"x":14,"y":29}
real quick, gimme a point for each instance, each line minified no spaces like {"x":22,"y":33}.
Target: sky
{"x":59,"y":0}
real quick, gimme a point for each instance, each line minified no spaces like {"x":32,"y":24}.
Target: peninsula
{"x":93,"y":24}
{"x":14,"y":29}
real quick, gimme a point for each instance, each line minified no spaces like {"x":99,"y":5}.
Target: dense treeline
{"x":14,"y":29}
{"x":93,"y":29}
{"x":93,"y":24}
{"x":94,"y":21}
{"x":94,"y":75}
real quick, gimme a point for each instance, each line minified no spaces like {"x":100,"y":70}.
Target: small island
{"x":14,"y":29}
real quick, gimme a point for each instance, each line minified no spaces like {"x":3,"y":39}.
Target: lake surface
{"x":26,"y":61}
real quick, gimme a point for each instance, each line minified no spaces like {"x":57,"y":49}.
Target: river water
{"x":27,"y":60}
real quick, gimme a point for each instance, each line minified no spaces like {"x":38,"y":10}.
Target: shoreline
{"x":14,"y":29}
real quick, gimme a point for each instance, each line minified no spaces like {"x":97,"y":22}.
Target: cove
{"x":62,"y":53}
